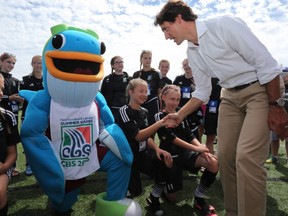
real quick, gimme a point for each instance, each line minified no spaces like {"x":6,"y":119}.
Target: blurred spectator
{"x":187,"y":86}
{"x":114,"y":85}
{"x":33,"y":82}
{"x":151,"y":76}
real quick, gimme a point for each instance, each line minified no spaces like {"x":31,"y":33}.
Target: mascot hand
{"x":27,"y":94}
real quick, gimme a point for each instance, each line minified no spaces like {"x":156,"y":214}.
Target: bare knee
{"x":171,"y":197}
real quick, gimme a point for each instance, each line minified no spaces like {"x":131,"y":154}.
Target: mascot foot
{"x":123,"y":207}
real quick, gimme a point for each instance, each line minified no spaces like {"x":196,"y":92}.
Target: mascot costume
{"x":69,"y":131}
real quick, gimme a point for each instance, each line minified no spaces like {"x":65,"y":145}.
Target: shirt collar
{"x":201,"y":29}
{"x":6,"y":75}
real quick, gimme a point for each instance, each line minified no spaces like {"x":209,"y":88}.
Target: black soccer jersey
{"x":11,"y":85}
{"x":131,"y":121}
{"x":164,"y":81}
{"x":153,"y":79}
{"x":113,"y":89}
{"x":9,"y":134}
{"x":187,"y":87}
{"x":30,"y":82}
{"x":167,"y":135}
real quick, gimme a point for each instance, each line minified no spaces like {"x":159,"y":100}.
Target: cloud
{"x":126,"y":27}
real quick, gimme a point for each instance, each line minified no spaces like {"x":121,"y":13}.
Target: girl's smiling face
{"x":7,"y":65}
{"x":171,"y":97}
{"x":139,"y":94}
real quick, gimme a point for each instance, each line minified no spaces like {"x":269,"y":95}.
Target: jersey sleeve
{"x":176,"y":81}
{"x":127,"y":124}
{"x":13,"y":136}
{"x":136,"y":75}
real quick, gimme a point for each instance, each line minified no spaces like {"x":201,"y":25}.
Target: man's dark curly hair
{"x":172,"y":9}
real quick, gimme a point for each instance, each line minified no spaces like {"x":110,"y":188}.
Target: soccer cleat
{"x":155,"y":206}
{"x":205,"y":210}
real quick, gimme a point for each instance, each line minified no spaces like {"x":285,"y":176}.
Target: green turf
{"x":26,"y":198}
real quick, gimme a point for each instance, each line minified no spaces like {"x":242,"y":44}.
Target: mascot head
{"x":72,"y":65}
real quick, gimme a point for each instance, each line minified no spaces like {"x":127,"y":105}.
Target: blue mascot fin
{"x":27,"y":94}
{"x":45,"y":166}
{"x":111,"y":134}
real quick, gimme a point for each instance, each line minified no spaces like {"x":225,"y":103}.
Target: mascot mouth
{"x":75,"y":66}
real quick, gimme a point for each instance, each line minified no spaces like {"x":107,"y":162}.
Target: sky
{"x":126,"y":27}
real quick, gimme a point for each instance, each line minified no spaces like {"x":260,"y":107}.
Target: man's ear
{"x":178,"y":18}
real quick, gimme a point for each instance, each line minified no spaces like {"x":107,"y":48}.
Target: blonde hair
{"x":133,"y":84}
{"x":163,"y":61}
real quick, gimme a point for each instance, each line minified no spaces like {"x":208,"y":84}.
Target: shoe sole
{"x":211,"y":208}
{"x":158,"y":212}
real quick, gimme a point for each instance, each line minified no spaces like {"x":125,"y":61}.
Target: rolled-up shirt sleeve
{"x":203,"y":84}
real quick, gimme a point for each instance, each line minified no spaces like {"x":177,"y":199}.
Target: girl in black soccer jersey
{"x":187,"y":153}
{"x":9,"y":137}
{"x":164,"y":67}
{"x":151,"y":76}
{"x":33,"y":82}
{"x":148,"y":157}
{"x":187,"y":86}
{"x":11,"y":99}
{"x":114,"y":85}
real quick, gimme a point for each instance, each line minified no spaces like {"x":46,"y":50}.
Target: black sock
{"x":200,"y":201}
{"x":208,"y":178}
{"x":4,"y":210}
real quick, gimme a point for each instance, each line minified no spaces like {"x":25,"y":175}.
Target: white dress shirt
{"x":229,"y":51}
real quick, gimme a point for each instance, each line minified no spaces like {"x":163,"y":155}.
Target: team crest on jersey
{"x":76,"y":145}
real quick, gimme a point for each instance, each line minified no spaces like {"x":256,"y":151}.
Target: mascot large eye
{"x":103,"y":48}
{"x":58,"y":41}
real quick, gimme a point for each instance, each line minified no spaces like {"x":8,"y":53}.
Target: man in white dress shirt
{"x":224,"y":47}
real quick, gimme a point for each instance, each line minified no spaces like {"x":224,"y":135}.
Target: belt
{"x":237,"y":88}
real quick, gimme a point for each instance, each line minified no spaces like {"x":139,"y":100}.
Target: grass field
{"x":26,"y":198}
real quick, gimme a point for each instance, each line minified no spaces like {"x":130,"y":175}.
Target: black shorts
{"x":185,"y":161}
{"x":210,"y":123}
{"x":147,"y":163}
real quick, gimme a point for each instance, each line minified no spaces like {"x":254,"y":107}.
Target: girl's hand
{"x":208,"y":156}
{"x":168,"y":122}
{"x":16,"y":97}
{"x":166,"y":156}
{"x":202,"y":148}
{"x":172,"y":120}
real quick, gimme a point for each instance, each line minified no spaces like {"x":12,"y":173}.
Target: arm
{"x":277,"y":117}
{"x":10,"y":159}
{"x":176,"y":118}
{"x":111,"y":134}
{"x":144,"y":134}
{"x":166,"y":156}
{"x":185,"y":145}
{"x":192,"y":105}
